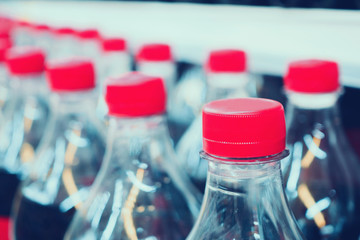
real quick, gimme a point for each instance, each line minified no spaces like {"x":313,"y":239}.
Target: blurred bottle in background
{"x":25,"y":115}
{"x":244,"y":142}
{"x":90,"y":44}
{"x":115,"y":61}
{"x":22,"y":33}
{"x":65,"y":43}
{"x":187,"y":100}
{"x":68,"y":158}
{"x":139,"y":192}
{"x":4,"y":78}
{"x":322,"y":173}
{"x":43,"y":37}
{"x":226,"y":78}
{"x":156,"y":59}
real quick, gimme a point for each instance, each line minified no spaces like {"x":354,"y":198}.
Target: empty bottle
{"x":139,"y":192}
{"x":68,"y":158}
{"x":156,"y":59}
{"x":43,"y":36}
{"x":226,"y":78}
{"x":322,"y":171}
{"x":4,"y":83}
{"x":25,"y":115}
{"x":22,"y":33}
{"x":65,"y":43}
{"x":115,"y":61}
{"x":244,"y":142}
{"x":89,"y":41}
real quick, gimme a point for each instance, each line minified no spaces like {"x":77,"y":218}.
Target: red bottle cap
{"x":89,"y":34}
{"x":135,"y":95}
{"x":154,"y":52}
{"x":312,"y":76}
{"x":64,"y":31}
{"x":114,"y":44}
{"x":227,"y":60}
{"x":25,"y":60}
{"x":243,"y":128}
{"x":69,"y":75}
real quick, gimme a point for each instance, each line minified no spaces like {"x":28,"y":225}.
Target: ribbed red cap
{"x":89,"y":34}
{"x":64,"y":31}
{"x":135,"y":95}
{"x":69,"y":75}
{"x":25,"y":60}
{"x":154,"y":52}
{"x":114,"y":44}
{"x":243,"y":128}
{"x":226,"y":60}
{"x":4,"y":46}
{"x":312,"y":76}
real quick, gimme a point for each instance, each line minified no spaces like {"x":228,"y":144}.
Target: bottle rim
{"x":245,"y":161}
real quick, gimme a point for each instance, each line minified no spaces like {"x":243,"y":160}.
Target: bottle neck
{"x":136,"y":127}
{"x":164,"y":69}
{"x":226,"y":85}
{"x":74,"y":102}
{"x":309,"y":109}
{"x":244,"y":177}
{"x":29,"y":84}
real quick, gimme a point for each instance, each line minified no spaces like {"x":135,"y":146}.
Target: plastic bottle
{"x":65,"y":43}
{"x":4,"y":83}
{"x":68,"y":158}
{"x":139,"y":193}
{"x":226,"y":78}
{"x":22,"y":33}
{"x":322,"y":171}
{"x":156,"y":59}
{"x":43,"y":36}
{"x":115,"y":61}
{"x":90,"y":44}
{"x":244,"y":142}
{"x":22,"y":124}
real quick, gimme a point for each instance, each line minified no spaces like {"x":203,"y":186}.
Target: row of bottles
{"x":86,"y":152}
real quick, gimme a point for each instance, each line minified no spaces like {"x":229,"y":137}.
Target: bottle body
{"x":22,"y":127}
{"x":67,"y":161}
{"x":245,"y":200}
{"x":319,"y":182}
{"x":138,"y":193}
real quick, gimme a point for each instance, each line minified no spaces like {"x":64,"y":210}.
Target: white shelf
{"x":272,"y":36}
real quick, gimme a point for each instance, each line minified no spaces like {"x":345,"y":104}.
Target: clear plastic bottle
{"x":244,"y":142}
{"x":43,"y":36}
{"x":322,"y":173}
{"x":139,"y":192}
{"x":68,"y":158}
{"x":22,"y":125}
{"x":226,"y":78}
{"x":4,"y":83}
{"x":90,"y":44}
{"x":115,"y":61}
{"x":22,"y":34}
{"x":65,"y":44}
{"x":188,"y":99}
{"x":156,"y":59}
